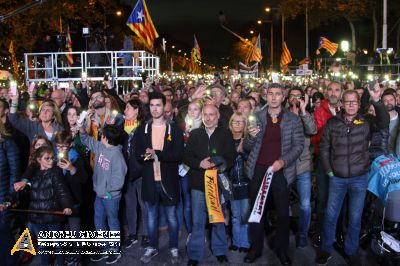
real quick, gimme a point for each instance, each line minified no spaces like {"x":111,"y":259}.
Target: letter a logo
{"x":24,"y":243}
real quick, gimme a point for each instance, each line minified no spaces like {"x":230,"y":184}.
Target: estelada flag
{"x":140,"y":23}
{"x":331,"y":47}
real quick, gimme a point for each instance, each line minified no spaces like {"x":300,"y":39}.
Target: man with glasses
{"x":298,"y":101}
{"x":345,"y":158}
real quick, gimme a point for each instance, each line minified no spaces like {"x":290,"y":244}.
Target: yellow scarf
{"x":214,"y":208}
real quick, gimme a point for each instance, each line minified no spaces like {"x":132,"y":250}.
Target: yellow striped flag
{"x":13,"y":58}
{"x":286,"y":58}
{"x":331,"y":47}
{"x":140,"y":23}
{"x":68,"y":40}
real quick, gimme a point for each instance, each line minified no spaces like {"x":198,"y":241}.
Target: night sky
{"x":178,"y":20}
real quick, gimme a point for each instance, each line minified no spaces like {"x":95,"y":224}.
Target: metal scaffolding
{"x":120,"y":66}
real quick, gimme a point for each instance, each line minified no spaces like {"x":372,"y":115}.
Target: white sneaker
{"x":149,"y":254}
{"x":175,"y":259}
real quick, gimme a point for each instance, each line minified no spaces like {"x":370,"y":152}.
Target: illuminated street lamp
{"x":118,"y":13}
{"x":259,"y":21}
{"x":252,"y":32}
{"x":267,"y":9}
{"x":345,"y":46}
{"x":173,"y":46}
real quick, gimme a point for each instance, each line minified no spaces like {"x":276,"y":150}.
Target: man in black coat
{"x":203,"y":144}
{"x":160,"y":149}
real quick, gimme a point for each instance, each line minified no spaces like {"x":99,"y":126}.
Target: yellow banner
{"x":214,"y":208}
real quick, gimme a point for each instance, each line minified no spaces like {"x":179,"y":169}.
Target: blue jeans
{"x":106,"y":215}
{"x":152,"y":224}
{"x":240,"y":227}
{"x":45,"y":258}
{"x":153,"y":210}
{"x":355,"y":188}
{"x":185,"y":205}
{"x":303,"y":183}
{"x":195,"y":246}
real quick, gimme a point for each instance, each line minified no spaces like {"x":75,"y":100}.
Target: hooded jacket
{"x":170,"y":157}
{"x":109,"y":167}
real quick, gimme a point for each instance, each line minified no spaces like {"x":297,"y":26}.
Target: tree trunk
{"x":398,"y":38}
{"x":375,"y":24}
{"x":353,"y":36}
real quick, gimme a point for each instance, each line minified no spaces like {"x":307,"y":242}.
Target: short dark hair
{"x":317,"y":95}
{"x":389,"y":91}
{"x":112,"y":134}
{"x":96,"y":90}
{"x":296,"y":88}
{"x":157,"y":95}
{"x":276,"y":85}
{"x":137,"y":104}
{"x":63,"y":137}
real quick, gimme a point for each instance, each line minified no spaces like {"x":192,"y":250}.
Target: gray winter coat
{"x":304,"y":162}
{"x":292,"y":139}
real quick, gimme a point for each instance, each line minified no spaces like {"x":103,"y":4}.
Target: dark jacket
{"x":237,"y":175}
{"x":9,"y":166}
{"x":292,"y":143}
{"x":225,"y":112}
{"x":48,"y":192}
{"x":200,"y":146}
{"x":169,"y":159}
{"x":129,"y":151}
{"x":344,"y":146}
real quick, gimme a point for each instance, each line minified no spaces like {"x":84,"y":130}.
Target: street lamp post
{"x":271,"y":29}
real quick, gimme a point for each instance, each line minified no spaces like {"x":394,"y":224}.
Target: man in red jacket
{"x":328,"y":108}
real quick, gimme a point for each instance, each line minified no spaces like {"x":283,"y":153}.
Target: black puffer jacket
{"x":344,"y":146}
{"x":49,"y":192}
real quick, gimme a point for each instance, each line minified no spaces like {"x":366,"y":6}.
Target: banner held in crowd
{"x":214,"y":208}
{"x":259,"y":204}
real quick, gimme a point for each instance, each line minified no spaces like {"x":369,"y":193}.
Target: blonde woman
{"x":48,"y":125}
{"x":240,"y":205}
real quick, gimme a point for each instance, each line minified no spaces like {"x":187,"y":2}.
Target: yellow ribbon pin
{"x":358,"y":122}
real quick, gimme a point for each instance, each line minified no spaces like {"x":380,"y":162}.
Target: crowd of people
{"x":138,"y":163}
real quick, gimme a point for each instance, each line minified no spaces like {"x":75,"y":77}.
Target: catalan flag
{"x":331,"y":47}
{"x":140,"y":23}
{"x":286,"y":58}
{"x":68,"y":46}
{"x":254,"y":54}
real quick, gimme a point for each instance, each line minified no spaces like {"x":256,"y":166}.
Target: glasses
{"x":350,"y":103}
{"x":295,"y":96}
{"x":97,"y":97}
{"x":168,"y":95}
{"x":48,"y":159}
{"x":216,"y":93}
{"x":237,"y":122}
{"x":62,"y":146}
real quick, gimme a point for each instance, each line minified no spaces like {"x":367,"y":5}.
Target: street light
{"x":344,"y":45}
{"x":268,"y":9}
{"x":118,"y":13}
{"x":173,"y":46}
{"x":252,"y":32}
{"x":259,"y":22}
